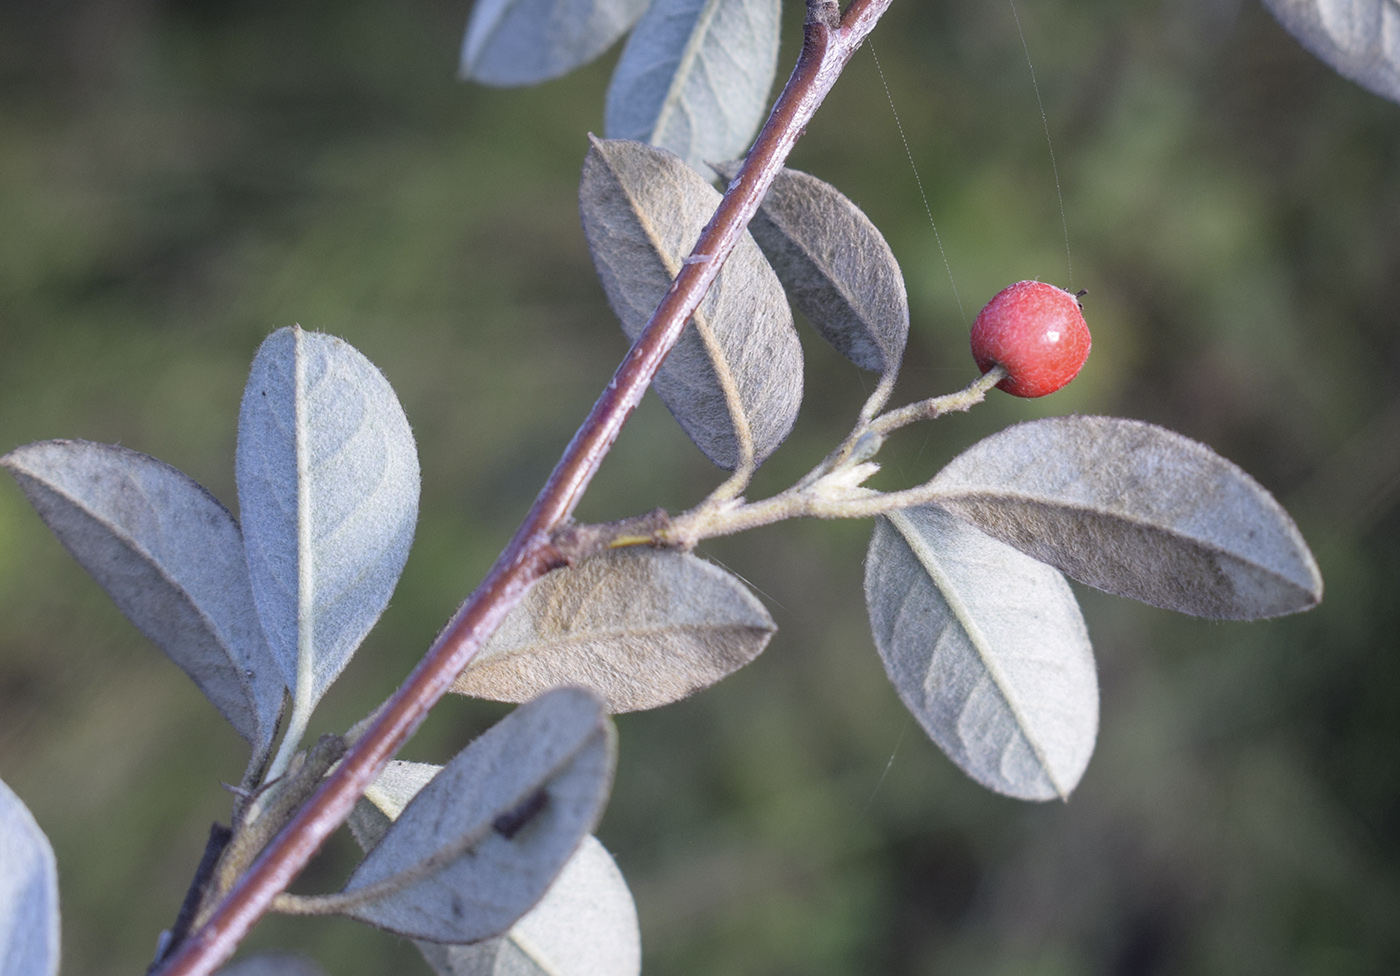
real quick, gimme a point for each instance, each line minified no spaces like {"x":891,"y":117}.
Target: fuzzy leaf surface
{"x":488,"y":834}
{"x":586,"y":924}
{"x":988,"y":650}
{"x":386,"y":797}
{"x":1136,"y":510}
{"x":835,"y":265}
{"x":641,"y":627}
{"x":1359,"y":39}
{"x":734,"y":380}
{"x":29,"y":941}
{"x":524,"y":42}
{"x":328,"y":488}
{"x":694,"y":77}
{"x":171,"y":557}
{"x":273,"y":964}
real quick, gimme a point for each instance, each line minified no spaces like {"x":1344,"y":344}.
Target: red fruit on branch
{"x":1037,"y":333}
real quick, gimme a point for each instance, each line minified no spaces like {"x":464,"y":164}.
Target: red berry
{"x":1037,"y":332}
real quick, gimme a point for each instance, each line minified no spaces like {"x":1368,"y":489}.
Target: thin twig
{"x":829,"y":43}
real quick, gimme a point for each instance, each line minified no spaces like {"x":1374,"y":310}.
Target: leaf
{"x":734,"y":380}
{"x":835,"y":265}
{"x":171,"y":557}
{"x":1136,"y":510}
{"x":28,"y":893}
{"x":694,"y":77}
{"x":987,"y":648}
{"x":586,"y":924}
{"x":640,"y":627}
{"x":273,"y":964}
{"x":328,"y":487}
{"x":490,"y":832}
{"x":524,"y":42}
{"x":1360,"y":39}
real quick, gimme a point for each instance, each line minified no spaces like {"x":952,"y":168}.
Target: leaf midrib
{"x":929,"y":561}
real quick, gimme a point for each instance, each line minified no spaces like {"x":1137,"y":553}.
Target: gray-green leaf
{"x":641,"y":627}
{"x":524,"y":42}
{"x":486,"y":836}
{"x":1360,"y":39}
{"x":1136,"y":510}
{"x":734,"y":381}
{"x":328,"y":488}
{"x":28,"y":893}
{"x":835,"y":265}
{"x":171,"y":557}
{"x":987,"y":648}
{"x":386,"y":797}
{"x":694,"y":77}
{"x":586,"y":924}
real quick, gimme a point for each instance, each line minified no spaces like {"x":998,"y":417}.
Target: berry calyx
{"x":1037,"y":333}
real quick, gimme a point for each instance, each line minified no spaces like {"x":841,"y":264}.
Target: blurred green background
{"x":178,"y":178}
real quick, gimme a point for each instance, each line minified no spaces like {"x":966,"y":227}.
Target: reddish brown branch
{"x":828,"y":45}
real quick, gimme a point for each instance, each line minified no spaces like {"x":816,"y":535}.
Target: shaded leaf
{"x":1360,"y":39}
{"x":835,"y":265}
{"x":641,"y":627}
{"x":328,"y":487}
{"x":386,"y":797}
{"x":1136,"y":510}
{"x":694,"y":77}
{"x":586,"y":924}
{"x":734,"y":380}
{"x":171,"y":557}
{"x":987,"y":648}
{"x":486,"y":836}
{"x":273,"y":964}
{"x":28,"y":893}
{"x":523,"y":42}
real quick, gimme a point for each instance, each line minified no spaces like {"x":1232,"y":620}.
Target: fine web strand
{"x":1045,"y":124}
{"x":881,"y":782}
{"x":919,"y":182}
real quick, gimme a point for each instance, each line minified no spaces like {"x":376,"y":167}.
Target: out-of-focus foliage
{"x":177,"y":180}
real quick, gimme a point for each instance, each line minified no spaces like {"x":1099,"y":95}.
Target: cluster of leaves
{"x":264,"y":615}
{"x":488,"y":861}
